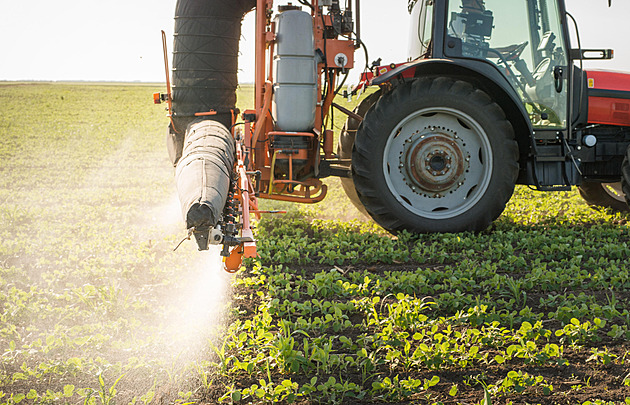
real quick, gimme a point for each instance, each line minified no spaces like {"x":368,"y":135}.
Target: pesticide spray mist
{"x":186,"y":294}
{"x":198,"y":313}
{"x":190,"y":321}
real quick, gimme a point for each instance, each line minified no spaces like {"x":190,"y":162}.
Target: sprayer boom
{"x":284,"y":146}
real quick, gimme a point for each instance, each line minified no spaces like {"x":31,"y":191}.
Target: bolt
{"x":460,"y":184}
{"x":468,"y":159}
{"x":434,"y":173}
{"x":448,"y":166}
{"x":428,"y":168}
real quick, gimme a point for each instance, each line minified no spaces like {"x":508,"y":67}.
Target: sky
{"x":120,"y":40}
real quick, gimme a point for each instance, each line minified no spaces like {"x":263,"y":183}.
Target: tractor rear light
{"x":159,"y":98}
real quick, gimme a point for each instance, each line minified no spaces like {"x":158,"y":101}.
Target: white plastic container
{"x":295,"y":73}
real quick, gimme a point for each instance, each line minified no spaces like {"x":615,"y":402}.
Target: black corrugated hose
{"x":205,"y":66}
{"x":205,"y":58}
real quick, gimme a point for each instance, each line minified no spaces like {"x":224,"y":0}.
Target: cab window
{"x":524,"y":40}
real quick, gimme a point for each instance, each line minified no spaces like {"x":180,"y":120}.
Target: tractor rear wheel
{"x":346,"y":143}
{"x":435,"y":155}
{"x":607,"y":195}
{"x":625,"y":176}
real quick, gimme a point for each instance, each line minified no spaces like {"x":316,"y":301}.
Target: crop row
{"x":95,"y":308}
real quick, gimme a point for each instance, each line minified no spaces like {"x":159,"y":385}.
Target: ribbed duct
{"x":203,"y":173}
{"x":205,"y":58}
{"x":205,"y":65}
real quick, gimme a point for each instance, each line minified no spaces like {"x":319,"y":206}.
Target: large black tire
{"x":607,"y":195}
{"x":346,"y":143}
{"x":435,"y":155}
{"x":625,"y":176}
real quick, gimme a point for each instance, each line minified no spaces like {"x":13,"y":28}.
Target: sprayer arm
{"x":245,"y":244}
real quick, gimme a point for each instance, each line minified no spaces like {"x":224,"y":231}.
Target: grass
{"x":95,"y":308}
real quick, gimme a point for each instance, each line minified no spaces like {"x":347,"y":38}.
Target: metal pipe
{"x":358,"y":24}
{"x":261,"y":23}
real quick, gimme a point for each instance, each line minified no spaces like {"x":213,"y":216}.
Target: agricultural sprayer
{"x":492,"y":95}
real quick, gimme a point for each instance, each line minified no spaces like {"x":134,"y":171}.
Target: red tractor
{"x":493,"y":95}
{"x":488,"y":101}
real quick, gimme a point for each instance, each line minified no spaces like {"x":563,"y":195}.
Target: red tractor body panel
{"x":609,"y":98}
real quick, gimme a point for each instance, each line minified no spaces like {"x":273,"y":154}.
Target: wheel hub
{"x":438,"y":162}
{"x":434,"y":162}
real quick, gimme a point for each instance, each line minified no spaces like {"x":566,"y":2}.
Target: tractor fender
{"x":483,"y":75}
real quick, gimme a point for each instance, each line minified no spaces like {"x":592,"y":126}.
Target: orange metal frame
{"x":249,"y":205}
{"x":263,"y":157}
{"x":255,"y":153}
{"x":169,"y":94}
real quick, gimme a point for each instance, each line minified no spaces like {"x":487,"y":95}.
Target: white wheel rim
{"x":456,"y":158}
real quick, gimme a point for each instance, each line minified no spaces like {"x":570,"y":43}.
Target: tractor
{"x":487,"y":101}
{"x":492,"y":95}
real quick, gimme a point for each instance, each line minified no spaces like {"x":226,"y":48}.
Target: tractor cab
{"x":523,"y":39}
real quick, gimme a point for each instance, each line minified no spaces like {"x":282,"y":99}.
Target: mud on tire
{"x":607,"y":195}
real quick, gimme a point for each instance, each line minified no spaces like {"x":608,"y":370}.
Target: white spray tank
{"x":295,"y":72}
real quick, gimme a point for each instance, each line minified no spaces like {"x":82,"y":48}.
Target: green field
{"x":96,"y":308}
